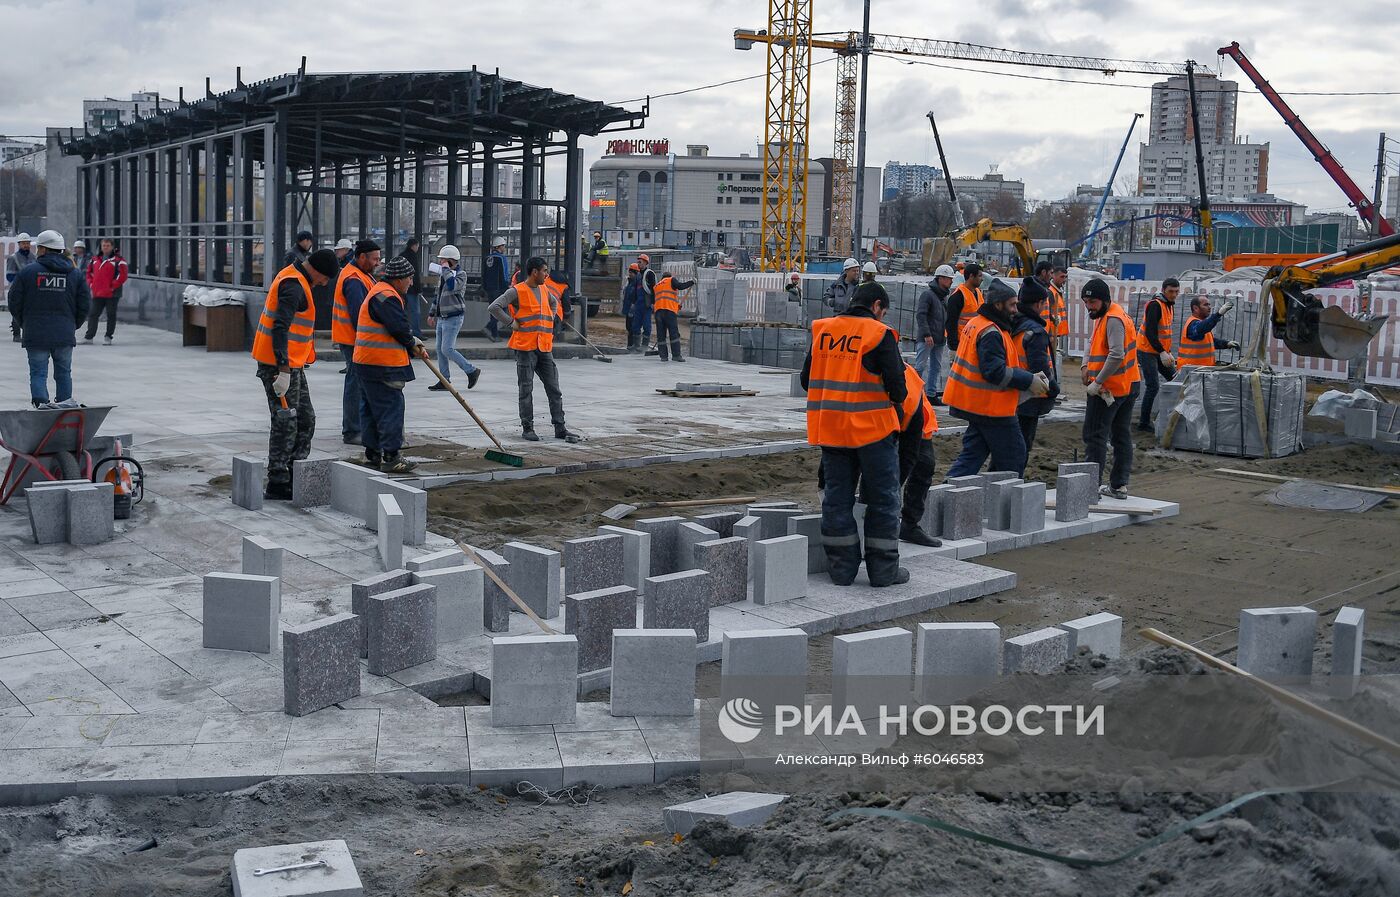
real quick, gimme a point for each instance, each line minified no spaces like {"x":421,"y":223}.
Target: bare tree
{"x":1005,"y":208}
{"x":23,"y":194}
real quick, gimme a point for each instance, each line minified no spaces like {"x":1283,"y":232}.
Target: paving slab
{"x":741,"y":809}
{"x":336,"y":878}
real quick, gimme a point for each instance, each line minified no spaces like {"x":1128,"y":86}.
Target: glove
{"x":1094,"y":388}
{"x":1232,"y":344}
{"x":1168,"y":360}
{"x":1224,"y":308}
{"x":281,"y":383}
{"x":419,"y":349}
{"x":1040,"y":385}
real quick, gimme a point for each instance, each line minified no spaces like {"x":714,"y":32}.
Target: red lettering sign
{"x":638,"y":147}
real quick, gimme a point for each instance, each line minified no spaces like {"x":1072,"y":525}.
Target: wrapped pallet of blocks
{"x":1243,"y":414}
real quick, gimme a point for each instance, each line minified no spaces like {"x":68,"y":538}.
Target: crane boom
{"x":1355,"y":196}
{"x":1108,"y":187}
{"x":952,"y":49}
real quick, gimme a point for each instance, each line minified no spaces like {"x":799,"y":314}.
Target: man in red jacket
{"x":106,"y":275}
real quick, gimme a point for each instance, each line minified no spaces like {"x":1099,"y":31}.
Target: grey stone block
{"x":248,"y":475}
{"x":365,"y":589}
{"x":1025,"y":508}
{"x":1043,"y":651}
{"x":311,"y":482}
{"x":962,"y":512}
{"x":591,"y":617}
{"x":596,"y":562}
{"x":262,"y":557}
{"x":337,"y":878}
{"x":721,"y":522}
{"x":636,"y":555}
{"x":460,"y":592}
{"x":1277,"y":642}
{"x":932,"y":522}
{"x":90,"y":519}
{"x":240,"y":612}
{"x":437,"y":560}
{"x":966,"y":482}
{"x":1101,"y":633}
{"x":679,"y":601}
{"x":1074,"y":493}
{"x":774,"y":519}
{"x":727,"y":562}
{"x":767,"y":666}
{"x":390,"y":530}
{"x":1071,"y":467}
{"x":871,"y":669}
{"x":320,"y":663}
{"x":653,"y":672}
{"x":348,"y":486}
{"x":954,"y":660}
{"x":1348,"y":635}
{"x":663,"y":542}
{"x":495,"y":604}
{"x":780,"y":569}
{"x":996,"y":500}
{"x":1360,"y":423}
{"x":48,"y":514}
{"x":534,"y":680}
{"x":810,"y":525}
{"x":534,"y":577}
{"x":795,"y":387}
{"x":401,"y":629}
{"x":998,"y":476}
{"x":411,"y":500}
{"x":740,"y":809}
{"x":688,"y":535}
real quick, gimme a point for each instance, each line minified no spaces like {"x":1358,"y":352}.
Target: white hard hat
{"x":24,"y":237}
{"x":945,"y":271}
{"x":50,"y":239}
{"x":848,"y":264}
{"x":498,"y":241}
{"x":450,"y":252}
{"x":869,"y":268}
{"x":343,"y":243}
{"x":79,"y":244}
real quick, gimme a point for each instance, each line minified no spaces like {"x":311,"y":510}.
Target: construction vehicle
{"x":1016,"y":235}
{"x":1265,"y":259}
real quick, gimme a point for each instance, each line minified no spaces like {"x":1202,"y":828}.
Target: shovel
{"x":499,"y":454}
{"x":617,"y":512}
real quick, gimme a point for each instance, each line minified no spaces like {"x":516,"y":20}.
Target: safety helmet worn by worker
{"x":869,"y":268}
{"x":848,"y":264}
{"x":644,"y":258}
{"x":24,"y":238}
{"x":450,"y":252}
{"x":79,"y":244}
{"x":50,"y":239}
{"x":795,"y":277}
{"x":344,"y":243}
{"x":499,"y":241}
{"x":944,"y":271}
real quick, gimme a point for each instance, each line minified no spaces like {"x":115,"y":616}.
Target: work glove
{"x":419,"y":349}
{"x":281,"y":383}
{"x":1040,"y":385}
{"x":1096,"y":389}
{"x":1168,"y":360}
{"x":1232,"y":344}
{"x":1224,"y":308}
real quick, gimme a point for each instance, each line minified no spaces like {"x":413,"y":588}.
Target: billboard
{"x":1223,"y":215}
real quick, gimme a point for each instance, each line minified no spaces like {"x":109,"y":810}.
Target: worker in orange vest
{"x":1154,"y":346}
{"x":667,"y":303}
{"x":985,"y":382}
{"x":1111,"y":376}
{"x":351,"y":286}
{"x":1059,"y":315}
{"x":1198,"y":342}
{"x":384,"y":349}
{"x":856,"y":386}
{"x":283,"y":346}
{"x":533,"y":313}
{"x":916,"y":458}
{"x":963,"y":303}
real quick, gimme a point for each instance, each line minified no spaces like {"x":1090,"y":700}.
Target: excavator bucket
{"x":1315,"y":330}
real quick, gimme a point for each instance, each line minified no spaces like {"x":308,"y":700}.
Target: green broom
{"x":499,"y":454}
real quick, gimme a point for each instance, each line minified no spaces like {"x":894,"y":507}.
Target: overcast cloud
{"x":1052,"y":135}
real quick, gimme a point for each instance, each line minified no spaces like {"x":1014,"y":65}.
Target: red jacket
{"x":106,"y":275}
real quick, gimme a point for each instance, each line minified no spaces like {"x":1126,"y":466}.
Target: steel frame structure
{"x":783,"y":230}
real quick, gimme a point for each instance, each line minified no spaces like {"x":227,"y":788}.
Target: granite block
{"x":591,"y":617}
{"x":721,"y":522}
{"x":688,"y":535}
{"x":311,"y":482}
{"x":962,"y":512}
{"x":663,"y":542}
{"x":810,"y":525}
{"x":1101,"y":633}
{"x":390,"y":531}
{"x":248,"y":475}
{"x":727,"y":562}
{"x":534,"y":577}
{"x":1071,"y":467}
{"x":437,"y":560}
{"x":414,"y":503}
{"x":966,"y":482}
{"x":337,"y":878}
{"x":48,"y":514}
{"x":460,"y":592}
{"x":1025,"y":508}
{"x":954,"y":660}
{"x":780,"y":569}
{"x":679,"y":601}
{"x":932,"y":522}
{"x":767,"y":666}
{"x":1044,"y":651}
{"x":262,"y":557}
{"x":534,"y":680}
{"x":996,"y":500}
{"x":495,"y":603}
{"x":773,"y":519}
{"x":1277,"y":642}
{"x":348,"y":482}
{"x":636,"y":555}
{"x":871,"y":669}
{"x":1360,"y":423}
{"x":240,"y":612}
{"x":596,"y":562}
{"x":653,"y":672}
{"x":741,"y":809}
{"x":1074,"y":493}
{"x":362,"y":591}
{"x":320,"y":663}
{"x":998,"y":476}
{"x":1348,"y":635}
{"x":90,"y":517}
{"x":401,"y":629}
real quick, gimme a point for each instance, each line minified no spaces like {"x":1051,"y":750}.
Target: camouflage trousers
{"x":290,"y":436}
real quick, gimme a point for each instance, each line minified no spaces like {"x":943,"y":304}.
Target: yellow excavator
{"x":1016,"y":235}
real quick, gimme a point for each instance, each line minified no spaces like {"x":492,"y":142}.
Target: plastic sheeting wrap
{"x":1218,"y":412}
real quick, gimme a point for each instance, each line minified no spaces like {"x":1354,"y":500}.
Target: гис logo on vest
{"x":849,"y":343}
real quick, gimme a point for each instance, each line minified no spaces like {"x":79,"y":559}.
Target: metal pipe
{"x":1380,"y":184}
{"x":858,"y":213}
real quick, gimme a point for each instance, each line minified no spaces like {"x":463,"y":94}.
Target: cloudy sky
{"x":1053,"y":135}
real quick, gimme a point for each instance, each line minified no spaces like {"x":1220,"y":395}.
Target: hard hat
{"x":344,"y":243}
{"x":634,"y":267}
{"x":848,"y":264}
{"x":498,"y":241}
{"x":945,"y":271}
{"x":869,"y":268}
{"x":644,"y":258}
{"x":795,"y":276}
{"x":450,"y":252}
{"x":24,"y":238}
{"x":50,"y":239}
{"x":79,"y":244}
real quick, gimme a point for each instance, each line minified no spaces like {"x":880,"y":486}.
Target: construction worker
{"x":1059,"y":308}
{"x":107,"y":275}
{"x":868,"y":272}
{"x":1032,"y":331}
{"x":495,"y":279}
{"x":1154,"y":346}
{"x":598,"y":252}
{"x":635,"y":311}
{"x":352,"y":284}
{"x":1111,"y":378}
{"x":646,"y":294}
{"x":668,"y":309}
{"x":838,"y":295}
{"x":794,"y":287}
{"x":529,"y":309}
{"x":301,"y":249}
{"x":964,"y":302}
{"x":985,"y":381}
{"x":15,"y":263}
{"x":856,"y":385}
{"x":48,"y":301}
{"x":80,"y":258}
{"x":384,"y":350}
{"x":916,"y":458}
{"x":344,"y":251}
{"x":931,"y":320}
{"x":1198,"y":342}
{"x":445,"y":315}
{"x":283,"y":346}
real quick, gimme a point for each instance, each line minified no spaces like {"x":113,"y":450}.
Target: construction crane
{"x":1203,"y":210}
{"x":789,"y":40}
{"x":1107,"y":188}
{"x":947,"y":174}
{"x":1355,"y":197}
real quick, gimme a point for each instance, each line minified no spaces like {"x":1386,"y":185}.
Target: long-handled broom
{"x":601,"y":356}
{"x":499,"y":454}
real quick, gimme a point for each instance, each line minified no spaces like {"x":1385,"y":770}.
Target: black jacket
{"x":931,"y":314}
{"x":884,"y":360}
{"x":392,"y":316}
{"x":1030,"y":330}
{"x":413,"y":257}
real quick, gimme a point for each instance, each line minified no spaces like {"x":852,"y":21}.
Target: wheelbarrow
{"x":50,"y":442}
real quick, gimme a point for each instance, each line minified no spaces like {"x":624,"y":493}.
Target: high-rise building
{"x":13,"y":149}
{"x":1170,"y":118}
{"x":1391,"y":209}
{"x":911,"y":179}
{"x":1167,"y":161}
{"x":104,"y":114}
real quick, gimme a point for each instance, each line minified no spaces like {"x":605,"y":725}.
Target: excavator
{"x":1016,"y":235}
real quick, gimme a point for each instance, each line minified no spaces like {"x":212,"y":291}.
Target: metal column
{"x":488,"y":199}
{"x":572,"y":250}
{"x":273,"y":197}
{"x":529,"y":179}
{"x":454,"y":188}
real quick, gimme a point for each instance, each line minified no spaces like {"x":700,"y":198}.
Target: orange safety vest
{"x":847,"y":406}
{"x":966,"y":390}
{"x":342,"y":327}
{"x":373,"y":344}
{"x":665,"y":295}
{"x":1164,"y":329}
{"x":972,"y":301}
{"x":1060,"y":311}
{"x":301,"y":350}
{"x":1121,"y":383}
{"x":917,"y":398}
{"x":1195,"y":352}
{"x":534,"y":320}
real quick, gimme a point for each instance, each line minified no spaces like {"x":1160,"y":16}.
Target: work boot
{"x":915,"y":535}
{"x":937,"y":400}
{"x":1119,"y":492}
{"x":278,"y":491}
{"x":901,"y":576}
{"x":353,"y":439}
{"x":396,"y":463}
{"x":678,"y":359}
{"x":842,"y":558}
{"x":371,"y":459}
{"x":437,"y":387}
{"x":529,"y":435}
{"x":568,"y":437}
{"x":473,"y":377}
